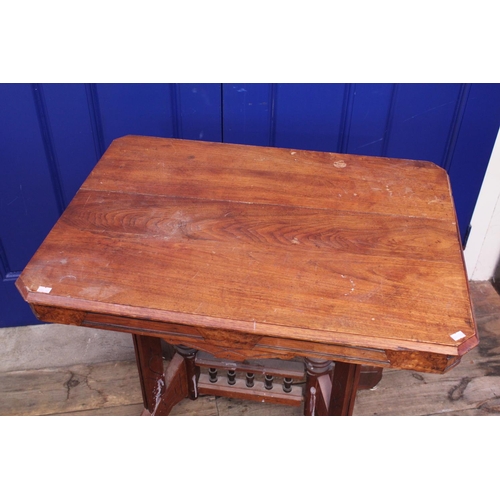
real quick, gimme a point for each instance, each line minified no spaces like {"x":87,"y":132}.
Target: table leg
{"x":160,"y":391}
{"x":149,"y":360}
{"x":192,"y":371}
{"x":318,"y":386}
{"x":344,"y":388}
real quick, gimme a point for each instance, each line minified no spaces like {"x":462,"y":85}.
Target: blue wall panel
{"x":28,"y":207}
{"x":471,"y":152}
{"x":369,"y":120}
{"x":187,"y":111}
{"x":248,"y":113}
{"x":71,"y":134}
{"x":139,"y":109}
{"x":422,"y":117}
{"x":310,"y":116}
{"x":302,"y":116}
{"x":51,"y":136}
{"x":199,"y":111}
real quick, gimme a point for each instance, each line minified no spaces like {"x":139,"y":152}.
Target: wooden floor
{"x":112,"y":388}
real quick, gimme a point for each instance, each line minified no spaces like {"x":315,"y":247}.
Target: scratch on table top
{"x":68,"y":276}
{"x":353,"y":286}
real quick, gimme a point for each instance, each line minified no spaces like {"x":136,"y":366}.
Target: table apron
{"x":238,"y":346}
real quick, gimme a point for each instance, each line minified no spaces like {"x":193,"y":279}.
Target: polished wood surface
{"x":246,"y":251}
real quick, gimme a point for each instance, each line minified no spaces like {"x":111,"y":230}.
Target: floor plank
{"x":239,"y":407}
{"x":134,"y":410}
{"x":69,"y":389}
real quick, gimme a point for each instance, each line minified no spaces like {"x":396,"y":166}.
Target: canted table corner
{"x":239,"y":254}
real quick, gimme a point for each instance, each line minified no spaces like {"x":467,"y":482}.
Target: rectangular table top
{"x":300,"y":245}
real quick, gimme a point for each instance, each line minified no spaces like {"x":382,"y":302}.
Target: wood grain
{"x":69,"y":389}
{"x":344,"y":388}
{"x":149,"y":360}
{"x":252,"y":246}
{"x":276,"y":176}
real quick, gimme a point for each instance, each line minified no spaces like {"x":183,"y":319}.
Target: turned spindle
{"x":287,"y":384}
{"x":231,"y":377}
{"x":268,"y":382}
{"x":212,"y":375}
{"x":250,"y":379}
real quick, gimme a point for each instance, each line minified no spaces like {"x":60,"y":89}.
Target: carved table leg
{"x":192,"y":371}
{"x":160,"y":391}
{"x":318,"y":386}
{"x":148,"y":355}
{"x":344,"y":387}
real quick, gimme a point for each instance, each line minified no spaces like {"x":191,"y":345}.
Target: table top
{"x":289,"y":244}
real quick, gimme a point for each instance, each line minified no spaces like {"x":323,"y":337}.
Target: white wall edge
{"x":482,"y":251}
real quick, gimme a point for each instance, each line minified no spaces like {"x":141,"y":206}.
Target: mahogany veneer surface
{"x":249,"y":251}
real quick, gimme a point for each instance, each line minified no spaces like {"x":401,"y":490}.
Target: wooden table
{"x":251,"y":253}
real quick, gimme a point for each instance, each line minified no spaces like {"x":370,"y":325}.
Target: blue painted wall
{"x":51,"y":135}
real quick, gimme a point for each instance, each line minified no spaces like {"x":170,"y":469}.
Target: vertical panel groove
{"x":221,"y":112}
{"x":272,"y":113}
{"x":345,"y":119}
{"x":95,"y":119}
{"x":176,"y":116}
{"x":4,"y":263}
{"x":455,"y":125}
{"x":390,"y":117}
{"x":48,"y":145}
{"x":6,"y":274}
